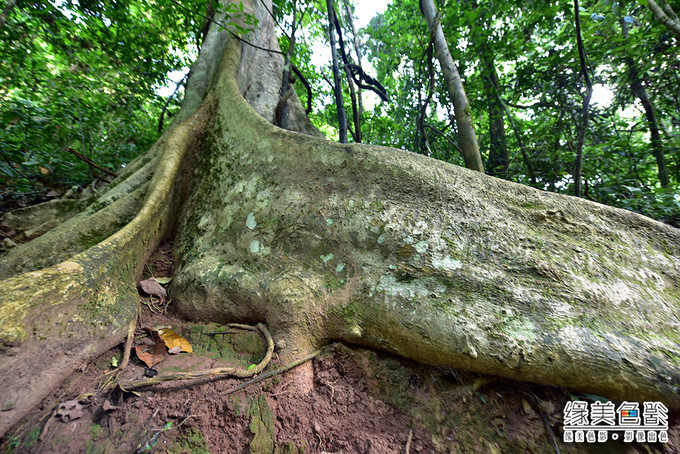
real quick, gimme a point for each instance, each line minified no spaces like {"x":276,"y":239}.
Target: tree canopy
{"x":84,"y":77}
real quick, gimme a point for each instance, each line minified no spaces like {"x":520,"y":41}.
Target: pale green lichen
{"x":418,"y":287}
{"x":446,"y":263}
{"x":254,"y":246}
{"x":339,"y":267}
{"x":421,"y":246}
{"x":327,"y":258}
{"x":250,"y":221}
{"x":520,"y":328}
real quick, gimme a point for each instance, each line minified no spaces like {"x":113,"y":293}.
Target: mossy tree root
{"x":69,"y":313}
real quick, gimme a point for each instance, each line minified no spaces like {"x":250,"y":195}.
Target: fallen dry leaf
{"x":69,"y":410}
{"x":108,"y":406}
{"x":172,"y":339}
{"x":153,"y":288}
{"x":152,"y":354}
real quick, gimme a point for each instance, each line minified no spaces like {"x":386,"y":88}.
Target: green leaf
{"x":163,"y":280}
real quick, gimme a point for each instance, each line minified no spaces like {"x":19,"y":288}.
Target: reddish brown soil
{"x":359,"y":401}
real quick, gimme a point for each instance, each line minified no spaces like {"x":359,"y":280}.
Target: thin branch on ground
{"x":407,"y":450}
{"x":212,"y":374}
{"x":272,"y":373}
{"x":129,"y":340}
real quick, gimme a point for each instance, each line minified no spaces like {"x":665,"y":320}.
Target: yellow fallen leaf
{"x":172,"y":339}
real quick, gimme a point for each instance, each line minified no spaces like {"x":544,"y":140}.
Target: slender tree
{"x":638,"y":88}
{"x":337,"y":85}
{"x":585,"y":109}
{"x":466,"y":129}
{"x":359,"y":111}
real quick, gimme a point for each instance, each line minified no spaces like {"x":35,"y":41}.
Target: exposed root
{"x":272,"y":373}
{"x":213,"y":374}
{"x":407,"y":449}
{"x":128,"y":341}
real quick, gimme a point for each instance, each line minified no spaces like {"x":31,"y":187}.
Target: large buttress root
{"x":424,"y":259}
{"x":55,"y":319}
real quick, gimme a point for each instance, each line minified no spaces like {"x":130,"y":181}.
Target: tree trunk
{"x":666,"y":15}
{"x":461,"y":105}
{"x":357,"y":243}
{"x":585,"y":109}
{"x":337,"y":87}
{"x":357,"y":50}
{"x":498,"y":162}
{"x":9,"y":6}
{"x":281,"y":115}
{"x":640,"y":92}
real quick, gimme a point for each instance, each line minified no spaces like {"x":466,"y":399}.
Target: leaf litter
{"x":152,"y":354}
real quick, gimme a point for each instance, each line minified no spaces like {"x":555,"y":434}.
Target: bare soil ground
{"x":360,"y":401}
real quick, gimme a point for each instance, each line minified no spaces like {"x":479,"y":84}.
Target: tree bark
{"x":498,"y":162}
{"x":666,"y":15}
{"x":461,"y":105}
{"x":639,"y":90}
{"x":337,"y":87}
{"x":358,"y":243}
{"x":585,"y":109}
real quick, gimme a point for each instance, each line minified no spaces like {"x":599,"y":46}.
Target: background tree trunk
{"x":498,"y":162}
{"x":9,"y":6}
{"x":461,"y":105}
{"x":337,"y":87}
{"x":358,"y":243}
{"x":585,"y":109}
{"x":639,"y":90}
{"x":666,"y":15}
{"x":357,"y":49}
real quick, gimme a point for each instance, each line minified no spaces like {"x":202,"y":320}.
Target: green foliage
{"x":532,"y":47}
{"x":83,"y":75}
{"x":235,"y":17}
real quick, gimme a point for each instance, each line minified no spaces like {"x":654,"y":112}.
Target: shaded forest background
{"x":79,"y":82}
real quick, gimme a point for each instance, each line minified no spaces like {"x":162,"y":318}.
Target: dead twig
{"x":408,"y":442}
{"x":287,"y":367}
{"x":90,"y":162}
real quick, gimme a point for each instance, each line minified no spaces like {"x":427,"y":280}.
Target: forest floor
{"x":360,"y":401}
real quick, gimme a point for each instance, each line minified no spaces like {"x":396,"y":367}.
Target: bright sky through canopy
{"x":365,"y":10}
